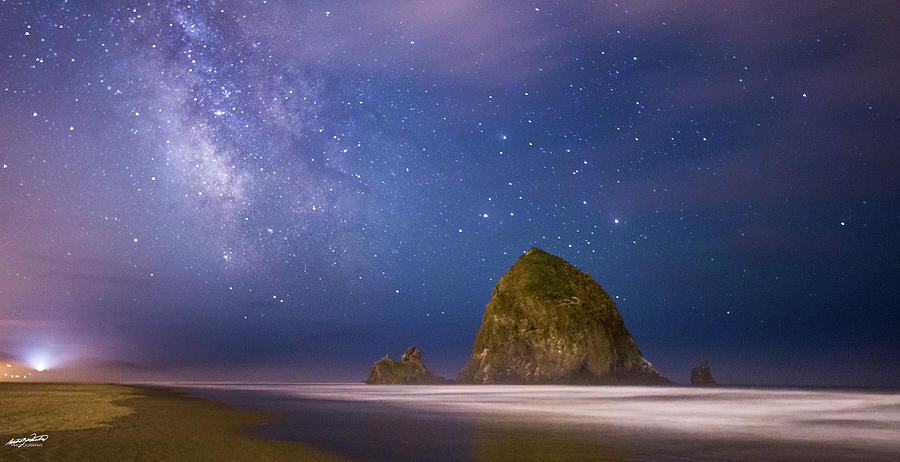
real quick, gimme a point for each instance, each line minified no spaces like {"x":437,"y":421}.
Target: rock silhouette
{"x":701,"y":376}
{"x":410,"y":370}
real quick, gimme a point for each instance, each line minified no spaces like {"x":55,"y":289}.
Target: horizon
{"x":293,"y":191}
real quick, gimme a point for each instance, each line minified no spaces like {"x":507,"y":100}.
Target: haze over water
{"x":574,"y":423}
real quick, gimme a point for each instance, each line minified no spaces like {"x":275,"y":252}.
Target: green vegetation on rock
{"x":544,"y":275}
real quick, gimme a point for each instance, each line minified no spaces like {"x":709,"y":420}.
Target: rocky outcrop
{"x":548,"y":322}
{"x":410,"y":370}
{"x":701,"y":376}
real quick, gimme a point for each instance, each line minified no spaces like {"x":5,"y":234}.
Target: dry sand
{"x":100,"y":422}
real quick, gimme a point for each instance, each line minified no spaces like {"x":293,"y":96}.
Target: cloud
{"x":809,"y":95}
{"x":96,"y":278}
{"x":8,"y":325}
{"x":57,"y":261}
{"x":464,"y":39}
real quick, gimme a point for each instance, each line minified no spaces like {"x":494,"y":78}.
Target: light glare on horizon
{"x":39,"y":360}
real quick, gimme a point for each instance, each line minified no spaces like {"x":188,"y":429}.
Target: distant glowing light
{"x":616,"y":221}
{"x":39,"y":360}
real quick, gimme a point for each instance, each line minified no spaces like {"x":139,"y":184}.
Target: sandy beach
{"x":321,"y":422}
{"x":96,"y":422}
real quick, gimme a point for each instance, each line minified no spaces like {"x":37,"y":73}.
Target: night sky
{"x":290,"y":190}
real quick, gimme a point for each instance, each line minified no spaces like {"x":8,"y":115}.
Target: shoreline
{"x":426,"y":422}
{"x":105,"y":421}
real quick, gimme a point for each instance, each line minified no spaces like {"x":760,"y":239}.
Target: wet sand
{"x":99,"y":422}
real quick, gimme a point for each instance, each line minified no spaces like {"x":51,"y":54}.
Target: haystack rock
{"x":548,"y":322}
{"x":410,"y":370}
{"x":701,"y":376}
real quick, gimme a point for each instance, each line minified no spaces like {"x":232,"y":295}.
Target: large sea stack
{"x":548,"y":322}
{"x":410,"y":370}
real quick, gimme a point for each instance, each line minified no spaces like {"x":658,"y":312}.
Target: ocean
{"x":561,"y":423}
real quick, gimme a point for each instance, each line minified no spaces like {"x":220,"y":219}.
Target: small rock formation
{"x":700,"y":375}
{"x":410,"y":370}
{"x":548,"y":322}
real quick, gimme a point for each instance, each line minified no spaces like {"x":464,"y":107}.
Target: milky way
{"x":315,"y":184}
